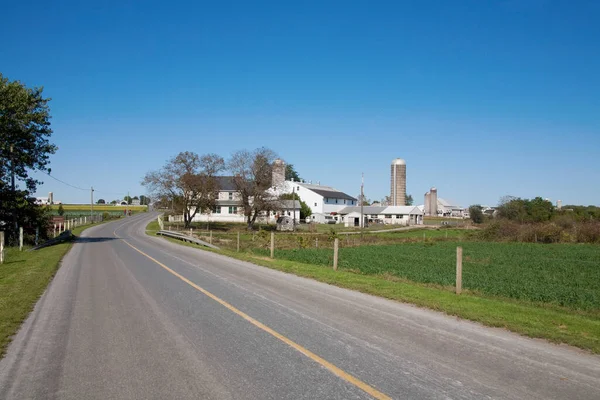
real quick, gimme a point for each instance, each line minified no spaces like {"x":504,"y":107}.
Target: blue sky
{"x":481,"y":98}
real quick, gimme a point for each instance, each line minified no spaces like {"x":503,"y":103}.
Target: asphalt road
{"x":135,"y":317}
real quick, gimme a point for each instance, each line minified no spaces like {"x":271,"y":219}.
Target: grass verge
{"x":530,"y":319}
{"x":23,"y":278}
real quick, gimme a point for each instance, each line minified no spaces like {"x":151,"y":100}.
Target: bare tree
{"x":252,"y":176}
{"x":189,"y":181}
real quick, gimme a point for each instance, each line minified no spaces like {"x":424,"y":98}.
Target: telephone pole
{"x":92,"y":204}
{"x":294,"y":207}
{"x":362,"y":200}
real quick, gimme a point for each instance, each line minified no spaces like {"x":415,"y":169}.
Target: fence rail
{"x":185,"y":238}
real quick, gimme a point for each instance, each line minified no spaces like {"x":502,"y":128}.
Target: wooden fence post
{"x":459,"y":259}
{"x":336,"y":244}
{"x":1,"y":247}
{"x":54,"y":230}
{"x":210,"y":238}
{"x":238,"y":241}
{"x":21,"y":238}
{"x":37,"y":235}
{"x":192,"y":232}
{"x":317,"y":243}
{"x":272,"y":244}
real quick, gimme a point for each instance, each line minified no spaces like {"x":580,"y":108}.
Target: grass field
{"x":565,"y":275}
{"x":97,"y":207}
{"x":23,"y":278}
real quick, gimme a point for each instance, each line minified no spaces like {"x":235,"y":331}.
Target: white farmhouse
{"x":229,"y":208}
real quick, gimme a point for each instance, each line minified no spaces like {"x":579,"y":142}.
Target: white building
{"x":447,"y":209}
{"x":42,"y":201}
{"x":324,"y":201}
{"x":229,"y":207}
{"x":392,"y":215}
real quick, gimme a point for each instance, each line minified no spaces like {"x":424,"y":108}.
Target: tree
{"x":409,"y":200}
{"x":512,"y":208}
{"x":135,"y":198}
{"x":127,"y":199}
{"x":114,"y":202}
{"x":364,"y":199}
{"x":291,"y":174}
{"x":24,"y":148}
{"x":188,"y":181}
{"x":61,"y":210}
{"x":144,"y":200}
{"x":101,"y":201}
{"x":539,"y":210}
{"x":476,"y":213}
{"x":252,"y":176}
{"x":305,"y":210}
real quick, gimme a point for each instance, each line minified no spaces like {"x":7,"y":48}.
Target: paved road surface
{"x":115,"y":324}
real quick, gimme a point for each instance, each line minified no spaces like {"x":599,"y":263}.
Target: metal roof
{"x":326,"y":191}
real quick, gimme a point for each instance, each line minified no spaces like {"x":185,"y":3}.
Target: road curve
{"x":130,"y":316}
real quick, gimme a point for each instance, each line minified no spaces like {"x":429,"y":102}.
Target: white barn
{"x":392,"y":215}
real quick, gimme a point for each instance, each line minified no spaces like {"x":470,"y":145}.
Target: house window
{"x":326,"y":200}
{"x":232,"y":210}
{"x":388,"y":215}
{"x":230,"y":195}
{"x":335,"y":201}
{"x":217,"y":210}
{"x":315,"y":204}
{"x":297,"y":188}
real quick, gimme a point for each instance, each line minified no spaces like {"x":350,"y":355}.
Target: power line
{"x":65,"y":183}
{"x":80,"y":188}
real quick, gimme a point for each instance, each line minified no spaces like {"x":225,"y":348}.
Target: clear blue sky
{"x":481,"y":98}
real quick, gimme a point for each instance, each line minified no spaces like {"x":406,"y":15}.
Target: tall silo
{"x":433,"y":202}
{"x":278,"y":177}
{"x":398,"y":182}
{"x":427,"y":204}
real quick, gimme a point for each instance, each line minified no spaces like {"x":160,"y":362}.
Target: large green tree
{"x":24,"y":148}
{"x":291,"y":173}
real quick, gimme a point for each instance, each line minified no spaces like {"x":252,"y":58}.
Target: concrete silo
{"x":398,"y":182}
{"x":278,"y":177}
{"x":433,"y":202}
{"x":427,"y":204}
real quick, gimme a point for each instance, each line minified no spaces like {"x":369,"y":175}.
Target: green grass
{"x":23,"y":278}
{"x":152,"y":227}
{"x":84,"y":209}
{"x":566,"y":275}
{"x":533,"y":319}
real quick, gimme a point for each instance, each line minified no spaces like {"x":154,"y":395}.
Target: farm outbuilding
{"x":393,"y":215}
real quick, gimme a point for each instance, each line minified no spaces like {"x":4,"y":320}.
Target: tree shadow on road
{"x":94,"y":239}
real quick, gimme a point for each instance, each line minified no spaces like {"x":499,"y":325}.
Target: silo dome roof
{"x":398,"y":161}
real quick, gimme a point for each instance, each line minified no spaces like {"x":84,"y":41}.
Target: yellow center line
{"x":332,"y":368}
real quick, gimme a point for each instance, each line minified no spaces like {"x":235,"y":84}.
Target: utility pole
{"x":92,"y":204}
{"x":294,"y":206}
{"x":362,"y":199}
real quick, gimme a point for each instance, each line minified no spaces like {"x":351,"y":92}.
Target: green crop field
{"x":97,"y":207}
{"x":567,"y":275}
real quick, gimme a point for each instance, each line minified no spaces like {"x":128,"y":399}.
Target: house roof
{"x":382,"y":210}
{"x":326,"y":191}
{"x":226,"y":183}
